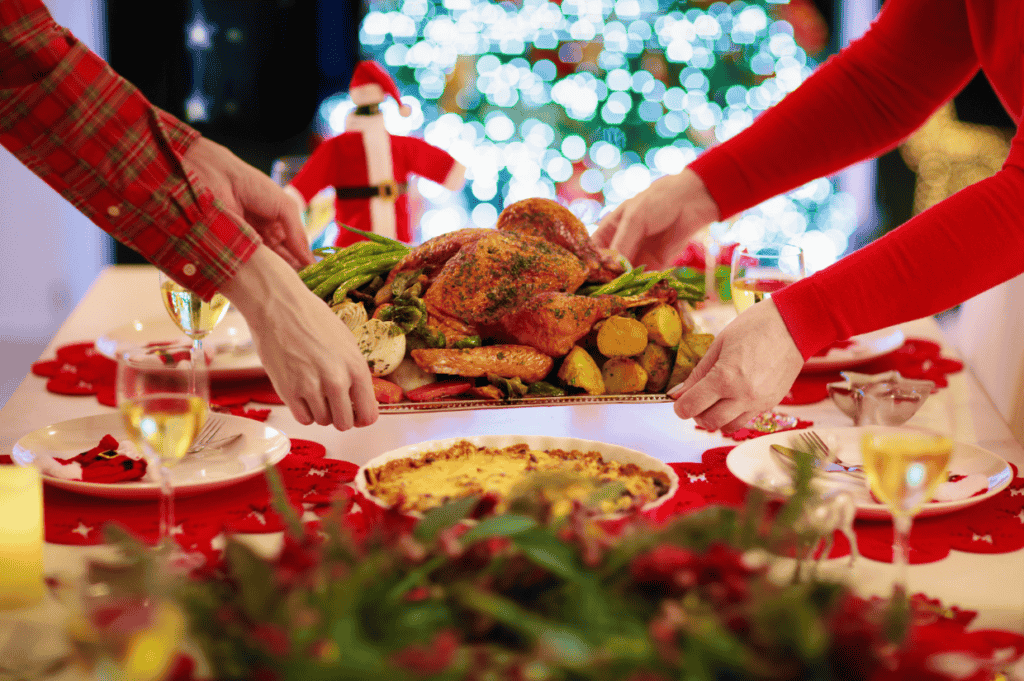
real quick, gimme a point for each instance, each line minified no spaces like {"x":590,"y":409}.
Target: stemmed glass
{"x":759,"y":271}
{"x":904,"y":467}
{"x":193,"y":315}
{"x":756,"y":273}
{"x":164,"y":396}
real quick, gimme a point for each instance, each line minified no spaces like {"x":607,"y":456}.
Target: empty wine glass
{"x":164,"y":401}
{"x":904,"y":468}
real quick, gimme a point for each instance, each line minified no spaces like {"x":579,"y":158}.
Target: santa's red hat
{"x":371,"y":73}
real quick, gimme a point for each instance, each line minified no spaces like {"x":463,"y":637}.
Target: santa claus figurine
{"x":370,"y":168}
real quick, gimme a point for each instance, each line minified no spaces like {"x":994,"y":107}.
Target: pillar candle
{"x":21,"y":536}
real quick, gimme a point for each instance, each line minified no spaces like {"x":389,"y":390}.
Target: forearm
{"x":124,"y":170}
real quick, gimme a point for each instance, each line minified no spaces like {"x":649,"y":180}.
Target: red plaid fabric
{"x":93,"y":137}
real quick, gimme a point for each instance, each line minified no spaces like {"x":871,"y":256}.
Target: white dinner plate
{"x":864,"y":348}
{"x":608,"y":451}
{"x":259,"y":445}
{"x":753,"y":463}
{"x":230,"y":343}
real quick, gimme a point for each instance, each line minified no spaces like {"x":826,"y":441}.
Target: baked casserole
{"x":417,"y":484}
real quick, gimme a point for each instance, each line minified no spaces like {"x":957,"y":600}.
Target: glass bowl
{"x":886,"y":399}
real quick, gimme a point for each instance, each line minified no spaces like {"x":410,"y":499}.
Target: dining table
{"x":986,"y":580}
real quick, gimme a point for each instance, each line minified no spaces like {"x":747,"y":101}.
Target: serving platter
{"x":985,"y":474}
{"x":259,"y":446}
{"x":469,"y":404}
{"x":610,"y":452}
{"x":230,"y":344}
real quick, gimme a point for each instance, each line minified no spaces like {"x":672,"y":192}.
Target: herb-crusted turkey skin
{"x":496,"y":274}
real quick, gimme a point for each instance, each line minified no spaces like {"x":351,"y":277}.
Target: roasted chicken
{"x":552,"y":322}
{"x":508,"y":361}
{"x":554,"y":222}
{"x":497,"y":273}
{"x":431,"y":255}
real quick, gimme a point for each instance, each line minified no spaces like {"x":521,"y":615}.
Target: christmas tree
{"x":588,"y":101}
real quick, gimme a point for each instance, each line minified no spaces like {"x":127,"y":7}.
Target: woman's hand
{"x":749,"y":368}
{"x":653,"y":227}
{"x":253,"y":198}
{"x":310,"y":355}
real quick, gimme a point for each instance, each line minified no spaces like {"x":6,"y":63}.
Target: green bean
{"x":618,"y":282}
{"x":351,"y":284}
{"x":376,"y":264}
{"x":336,"y":259}
{"x":371,"y":236}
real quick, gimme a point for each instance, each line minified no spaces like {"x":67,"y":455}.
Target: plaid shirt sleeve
{"x":104,"y":147}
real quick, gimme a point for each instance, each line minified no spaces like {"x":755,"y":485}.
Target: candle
{"x":21,"y":536}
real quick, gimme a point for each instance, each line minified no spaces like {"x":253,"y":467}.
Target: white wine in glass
{"x":164,"y":400}
{"x":193,"y":315}
{"x":904,"y":468}
{"x":759,"y":271}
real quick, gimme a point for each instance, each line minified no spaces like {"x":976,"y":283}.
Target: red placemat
{"x":917,"y":358}
{"x":991,"y":526}
{"x":310,"y":479}
{"x":80,"y":369}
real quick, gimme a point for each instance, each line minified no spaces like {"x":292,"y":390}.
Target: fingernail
{"x":674,"y":391}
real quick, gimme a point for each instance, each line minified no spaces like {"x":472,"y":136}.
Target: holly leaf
{"x":499,"y":526}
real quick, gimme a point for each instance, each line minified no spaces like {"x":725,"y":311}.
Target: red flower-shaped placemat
{"x":80,"y":369}
{"x":917,"y":358}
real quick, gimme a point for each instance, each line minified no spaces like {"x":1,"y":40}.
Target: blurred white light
{"x":819,"y":250}
{"x":484,"y":190}
{"x":619,"y":79}
{"x":442,"y":220}
{"x":627,"y":8}
{"x":592,"y":181}
{"x":485,"y":215}
{"x":574,"y":147}
{"x":669,"y":160}
{"x":559,"y":169}
{"x":196,"y":108}
{"x":200,"y":34}
{"x":605,"y":155}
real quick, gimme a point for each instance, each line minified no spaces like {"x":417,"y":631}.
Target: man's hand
{"x":749,"y":368}
{"x":654,"y":226}
{"x":309,"y":354}
{"x":251,"y":197}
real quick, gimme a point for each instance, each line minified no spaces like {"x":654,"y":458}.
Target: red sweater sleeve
{"x":917,"y":54}
{"x":865,"y":100}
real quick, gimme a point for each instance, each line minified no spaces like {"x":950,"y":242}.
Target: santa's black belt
{"x":385,"y":190}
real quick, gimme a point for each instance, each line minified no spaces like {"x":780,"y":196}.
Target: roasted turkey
{"x":492,"y":276}
{"x":556,"y":223}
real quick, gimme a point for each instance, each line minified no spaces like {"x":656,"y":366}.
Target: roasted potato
{"x":580,"y":371}
{"x":657,"y":362}
{"x":692,"y":347}
{"x":621,"y":337}
{"x":623,"y":375}
{"x":663,"y":325}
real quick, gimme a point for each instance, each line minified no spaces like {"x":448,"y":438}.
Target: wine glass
{"x":904,"y":467}
{"x":163,"y":395}
{"x":759,"y":271}
{"x":193,"y":315}
{"x":756,"y":273}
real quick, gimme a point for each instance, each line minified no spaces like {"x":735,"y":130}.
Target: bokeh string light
{"x":589,"y":101}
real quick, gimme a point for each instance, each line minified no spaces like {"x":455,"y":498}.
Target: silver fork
{"x":206,"y":436}
{"x":817,"y":446}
